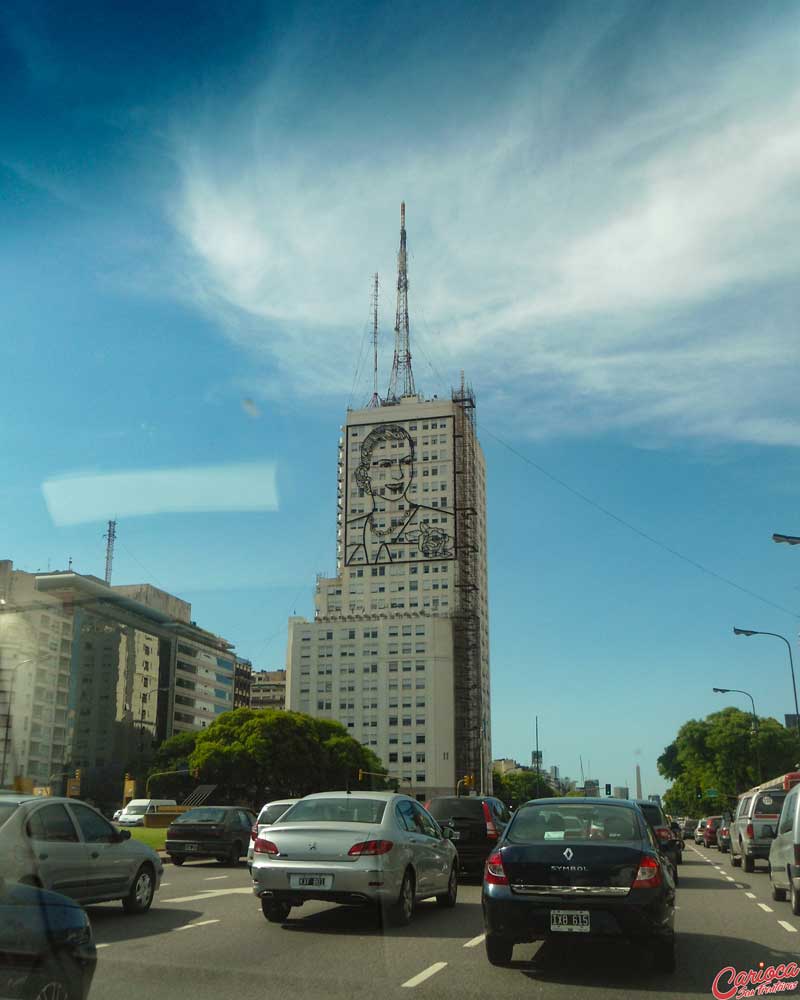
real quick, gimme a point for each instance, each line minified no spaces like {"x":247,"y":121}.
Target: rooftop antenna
{"x":402,"y":375}
{"x":110,"y":537}
{"x":376,"y":399}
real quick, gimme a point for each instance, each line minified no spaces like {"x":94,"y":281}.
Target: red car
{"x":713,"y":824}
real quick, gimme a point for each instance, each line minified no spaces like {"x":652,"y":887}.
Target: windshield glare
{"x":345,"y":810}
{"x":6,"y":810}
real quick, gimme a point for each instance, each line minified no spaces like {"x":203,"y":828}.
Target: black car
{"x":47,"y":950}
{"x":477,"y":822}
{"x":585,"y":867}
{"x":221,"y":832}
{"x":669,"y":842}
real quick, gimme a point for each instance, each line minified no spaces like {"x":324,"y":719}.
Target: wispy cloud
{"x":629,"y":271}
{"x":83,"y":498}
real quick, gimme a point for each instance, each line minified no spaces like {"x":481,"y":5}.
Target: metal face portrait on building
{"x":385,"y":522}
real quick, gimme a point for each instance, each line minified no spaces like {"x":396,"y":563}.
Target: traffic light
{"x":698,"y":792}
{"x":360,"y":774}
{"x":608,"y":789}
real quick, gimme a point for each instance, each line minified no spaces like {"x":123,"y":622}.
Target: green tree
{"x":516,"y":787}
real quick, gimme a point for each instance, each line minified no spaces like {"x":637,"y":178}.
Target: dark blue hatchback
{"x":583,"y":867}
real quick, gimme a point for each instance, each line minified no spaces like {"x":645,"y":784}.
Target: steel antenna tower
{"x":376,"y":399}
{"x":110,"y":536}
{"x":402,"y":375}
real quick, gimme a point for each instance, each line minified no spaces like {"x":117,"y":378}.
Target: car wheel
{"x":664,"y":955}
{"x":498,"y":949}
{"x":794,"y":898}
{"x":735,"y":860}
{"x":749,"y":864}
{"x":448,"y":899}
{"x":236,"y":853}
{"x":777,"y":894}
{"x":679,"y":859}
{"x":51,"y":984}
{"x":401,"y":912}
{"x":176,"y":860}
{"x":143,"y":888}
{"x":276,"y":912}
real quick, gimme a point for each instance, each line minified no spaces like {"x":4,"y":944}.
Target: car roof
{"x":21,"y":799}
{"x":581,"y":800}
{"x":385,"y":796}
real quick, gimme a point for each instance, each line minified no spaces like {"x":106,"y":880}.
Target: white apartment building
{"x":398,"y":650}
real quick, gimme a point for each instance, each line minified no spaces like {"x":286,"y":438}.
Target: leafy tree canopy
{"x":516,"y":787}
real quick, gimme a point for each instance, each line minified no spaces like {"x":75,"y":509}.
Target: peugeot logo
{"x":568,"y":854}
{"x":312,"y":846}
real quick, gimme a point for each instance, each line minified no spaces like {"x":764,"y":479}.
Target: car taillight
{"x":262,"y":846}
{"x":370,"y":847}
{"x":495,"y":873}
{"x":749,"y":831}
{"x":491,"y":829}
{"x":649,"y":874}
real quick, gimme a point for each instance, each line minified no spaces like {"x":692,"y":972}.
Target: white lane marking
{"x":103,"y":946}
{"x":784,"y":924}
{"x":475,"y":941}
{"x":425,"y":974}
{"x":214,"y":878}
{"x":750,"y":895}
{"x":765,"y":908}
{"x":200,"y":923}
{"x":739,"y":885}
{"x":165,"y":884}
{"x":730,"y":879}
{"x":207,"y":894}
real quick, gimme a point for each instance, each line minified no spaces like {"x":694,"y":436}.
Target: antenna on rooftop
{"x":376,"y":399}
{"x":110,"y":537}
{"x":402,"y":375}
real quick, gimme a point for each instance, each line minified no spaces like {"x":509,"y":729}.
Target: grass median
{"x":151,"y":836}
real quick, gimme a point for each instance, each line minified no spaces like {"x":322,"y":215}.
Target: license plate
{"x":193,"y":847}
{"x":311,"y":881}
{"x":455,"y":835}
{"x":570,"y":921}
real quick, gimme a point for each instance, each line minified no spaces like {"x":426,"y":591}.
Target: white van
{"x":135,"y":811}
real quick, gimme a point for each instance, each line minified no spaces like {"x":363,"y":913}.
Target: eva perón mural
{"x":400,"y":493}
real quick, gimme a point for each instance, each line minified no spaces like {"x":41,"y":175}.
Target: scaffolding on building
{"x":468,"y":692}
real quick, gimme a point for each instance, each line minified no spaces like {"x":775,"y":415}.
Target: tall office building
{"x":398,"y":650}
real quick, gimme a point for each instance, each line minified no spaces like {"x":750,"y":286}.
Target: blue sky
{"x":602,"y":209}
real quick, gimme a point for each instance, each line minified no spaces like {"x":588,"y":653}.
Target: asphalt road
{"x":205,"y":937}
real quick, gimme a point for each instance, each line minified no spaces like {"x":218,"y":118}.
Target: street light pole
{"x":776,"y":635}
{"x":755,"y":721}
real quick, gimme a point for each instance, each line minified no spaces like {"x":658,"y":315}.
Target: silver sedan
{"x":355,"y":848}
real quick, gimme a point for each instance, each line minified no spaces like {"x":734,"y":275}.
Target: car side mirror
{"x":123,"y":835}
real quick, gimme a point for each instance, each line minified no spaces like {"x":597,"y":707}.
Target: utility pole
{"x":537,"y":755}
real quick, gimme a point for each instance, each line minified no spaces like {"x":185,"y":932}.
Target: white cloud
{"x":591,"y":275}
{"x":83,"y":498}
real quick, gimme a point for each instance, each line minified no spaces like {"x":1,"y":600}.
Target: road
{"x":205,"y":937}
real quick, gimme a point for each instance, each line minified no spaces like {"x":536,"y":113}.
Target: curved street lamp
{"x":776,"y":635}
{"x":755,"y":721}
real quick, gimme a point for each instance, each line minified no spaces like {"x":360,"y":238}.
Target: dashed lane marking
{"x":209,"y":894}
{"x":425,"y":974}
{"x":475,"y":941}
{"x":102,"y":946}
{"x":739,"y":885}
{"x":750,"y":895}
{"x":787,"y":926}
{"x":200,"y":923}
{"x":730,"y":879}
{"x":765,"y":908}
{"x":214,"y":878}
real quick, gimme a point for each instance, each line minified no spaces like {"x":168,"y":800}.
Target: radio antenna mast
{"x":376,"y":399}
{"x":402,"y":377}
{"x":110,"y":536}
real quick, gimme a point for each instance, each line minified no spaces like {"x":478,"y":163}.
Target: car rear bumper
{"x":756,"y":849}
{"x":198,"y":848}
{"x":523,"y":918}
{"x":350,"y":884}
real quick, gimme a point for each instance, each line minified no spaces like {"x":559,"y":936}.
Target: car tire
{"x":664,"y":955}
{"x":176,"y":860}
{"x":749,"y":864}
{"x":794,"y":898}
{"x":679,"y":858}
{"x":235,"y":854}
{"x":402,"y":910}
{"x":499,"y":950}
{"x":275,"y":911}
{"x":448,"y":899}
{"x":778,"y":894}
{"x":143,"y":888}
{"x":735,"y":860}
{"x":59,"y":982}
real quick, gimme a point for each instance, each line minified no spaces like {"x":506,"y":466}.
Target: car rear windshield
{"x":204,"y":815}
{"x":769,"y":805}
{"x":653,"y":815}
{"x":534,"y":824}
{"x":344,"y":810}
{"x":456,"y":808}
{"x":6,"y":809}
{"x":273,"y":812}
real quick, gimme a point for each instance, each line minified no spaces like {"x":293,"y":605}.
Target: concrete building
{"x":242,"y":682}
{"x":505,"y":765}
{"x":398,"y":650}
{"x":621,"y":792}
{"x":100,"y":677}
{"x":268,"y":689}
{"x":591,"y":786}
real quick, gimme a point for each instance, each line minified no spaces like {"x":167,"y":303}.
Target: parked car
{"x":566,"y":879}
{"x":221,"y":832}
{"x":356,"y":848}
{"x":784,"y":852}
{"x":270,"y":813}
{"x":698,"y":830}
{"x":713,"y":824}
{"x":69,"y":847}
{"x":754,"y":812}
{"x":669,"y":843}
{"x":47,"y":950}
{"x":477,"y":822}
{"x":724,"y":835}
{"x":135,"y":811}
